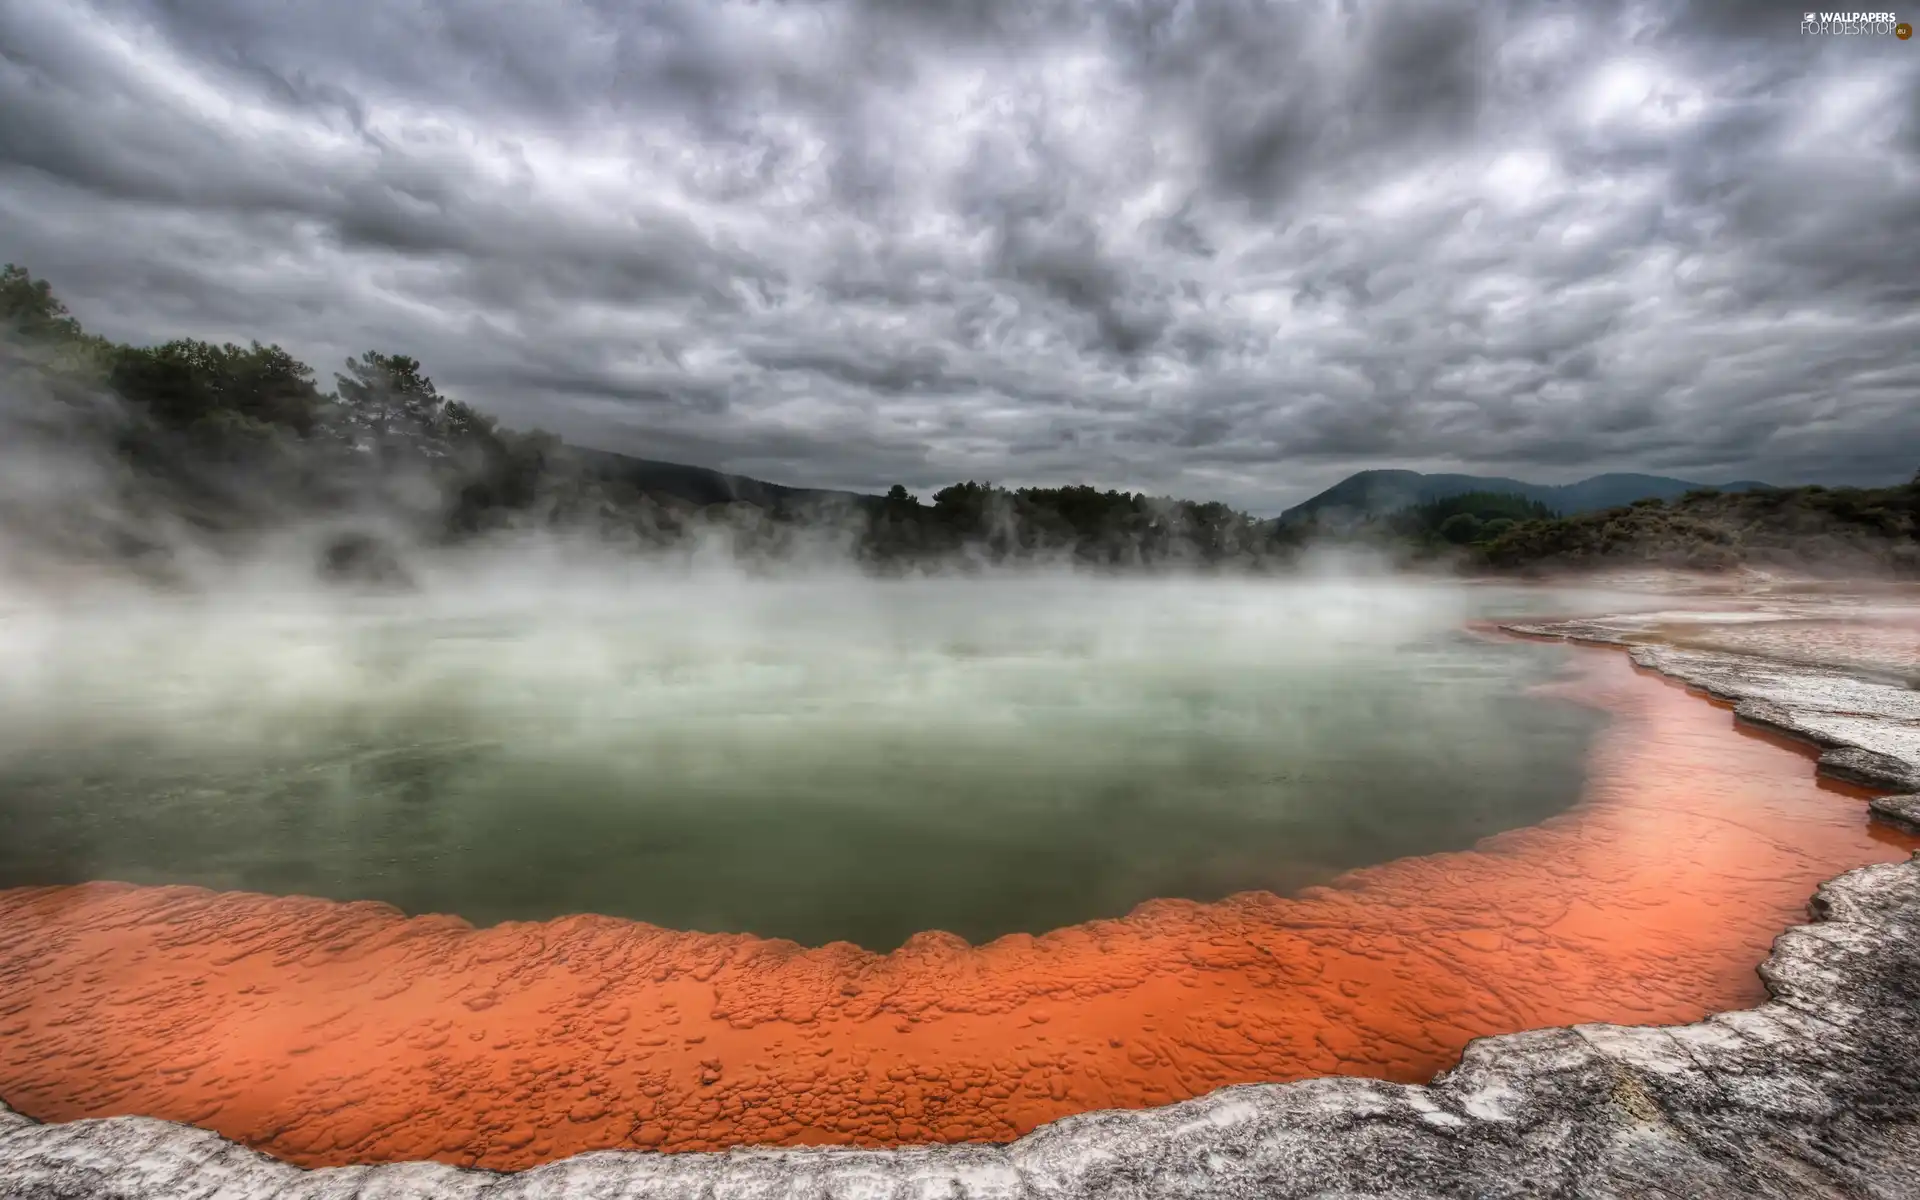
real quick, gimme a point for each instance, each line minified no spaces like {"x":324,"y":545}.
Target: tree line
{"x":244,"y":434}
{"x":224,"y":439}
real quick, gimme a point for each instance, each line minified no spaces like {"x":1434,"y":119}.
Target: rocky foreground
{"x":1815,"y":1092}
{"x":1797,"y":669}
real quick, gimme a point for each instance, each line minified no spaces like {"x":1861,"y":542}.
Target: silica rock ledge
{"x":1868,"y":730}
{"x":1816,"y":1092}
{"x":1903,"y":811}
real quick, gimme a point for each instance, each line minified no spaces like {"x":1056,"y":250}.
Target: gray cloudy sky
{"x":1228,"y":249}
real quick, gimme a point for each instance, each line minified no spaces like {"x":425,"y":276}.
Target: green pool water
{"x":814,"y":759}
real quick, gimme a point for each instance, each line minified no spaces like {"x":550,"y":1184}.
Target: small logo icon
{"x":1903,"y":31}
{"x":1808,"y":21}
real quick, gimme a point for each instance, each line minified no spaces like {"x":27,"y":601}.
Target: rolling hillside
{"x":701,"y":485}
{"x":1377,"y":493}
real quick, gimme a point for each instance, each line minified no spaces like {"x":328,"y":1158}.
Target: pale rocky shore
{"x":1842,"y":678}
{"x":1814,"y":1093}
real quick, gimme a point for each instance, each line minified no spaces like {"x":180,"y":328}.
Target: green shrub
{"x":1461,"y":528}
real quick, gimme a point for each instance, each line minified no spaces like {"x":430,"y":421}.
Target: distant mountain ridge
{"x":1376,"y":493}
{"x":702,"y":485}
{"x":1365,"y":494}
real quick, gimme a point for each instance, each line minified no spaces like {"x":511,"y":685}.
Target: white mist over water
{"x":818,"y":755}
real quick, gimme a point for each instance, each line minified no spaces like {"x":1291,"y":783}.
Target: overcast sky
{"x":1229,"y":250}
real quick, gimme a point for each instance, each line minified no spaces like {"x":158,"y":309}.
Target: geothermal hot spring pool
{"x":824,"y":762}
{"x":689,"y":860}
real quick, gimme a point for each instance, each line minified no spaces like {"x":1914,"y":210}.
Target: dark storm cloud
{"x":879,"y":371}
{"x":1223,"y":248}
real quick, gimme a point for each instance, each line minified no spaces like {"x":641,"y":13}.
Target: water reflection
{"x":332,"y":1033}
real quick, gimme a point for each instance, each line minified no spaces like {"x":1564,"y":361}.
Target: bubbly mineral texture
{"x":1812,"y":1093}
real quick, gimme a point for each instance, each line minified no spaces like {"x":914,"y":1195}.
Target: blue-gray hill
{"x":1376,"y":493}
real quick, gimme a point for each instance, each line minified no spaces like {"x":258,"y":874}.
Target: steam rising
{"x":731,"y":731}
{"x":538,"y":730}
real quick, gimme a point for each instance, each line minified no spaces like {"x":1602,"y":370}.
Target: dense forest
{"x":1471,"y":518}
{"x":1832,"y":530}
{"x":1873,"y":531}
{"x":217,"y":442}
{"x":139,"y":451}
